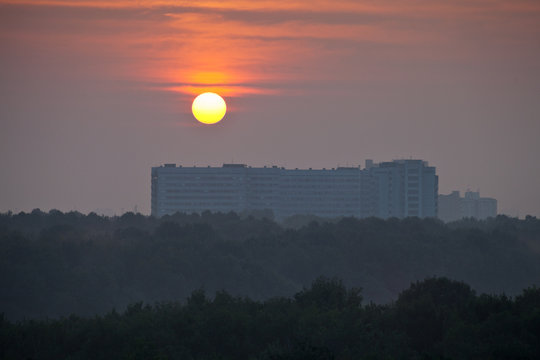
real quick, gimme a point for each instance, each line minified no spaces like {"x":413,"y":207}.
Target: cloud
{"x":264,"y":42}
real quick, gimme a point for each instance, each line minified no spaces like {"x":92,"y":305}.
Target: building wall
{"x":404,"y":188}
{"x":452,"y":207}
{"x":195,"y":189}
{"x":430,"y":193}
{"x":326,"y":193}
{"x":487,"y":207}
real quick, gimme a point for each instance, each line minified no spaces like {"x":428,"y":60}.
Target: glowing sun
{"x":209,"y":108}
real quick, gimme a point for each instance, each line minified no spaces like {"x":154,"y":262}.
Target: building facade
{"x":453,"y":207}
{"x":404,"y":188}
{"x":392,"y":189}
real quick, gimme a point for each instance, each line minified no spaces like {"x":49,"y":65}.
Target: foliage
{"x":433,"y":319}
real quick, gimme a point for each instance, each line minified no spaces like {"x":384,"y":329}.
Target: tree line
{"x":54,"y":264}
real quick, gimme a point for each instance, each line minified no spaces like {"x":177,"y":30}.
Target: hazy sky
{"x":95,"y":93}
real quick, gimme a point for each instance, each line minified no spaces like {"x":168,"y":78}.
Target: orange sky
{"x":252,"y":47}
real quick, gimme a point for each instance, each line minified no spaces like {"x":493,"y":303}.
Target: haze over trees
{"x":56,"y":264}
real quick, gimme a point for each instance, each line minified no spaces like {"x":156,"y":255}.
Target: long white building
{"x":394,"y":189}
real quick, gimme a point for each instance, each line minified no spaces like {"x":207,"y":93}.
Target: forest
{"x":436,"y":318}
{"x":225,"y":286}
{"x":55,"y":264}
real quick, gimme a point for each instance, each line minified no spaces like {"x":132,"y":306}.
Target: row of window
{"x":183,"y":206}
{"x":187,"y":197}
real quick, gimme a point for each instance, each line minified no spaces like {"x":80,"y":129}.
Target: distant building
{"x":452,"y":207}
{"x":392,"y":189}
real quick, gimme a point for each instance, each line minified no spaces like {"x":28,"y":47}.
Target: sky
{"x":93,"y":93}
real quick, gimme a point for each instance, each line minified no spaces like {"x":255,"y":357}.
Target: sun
{"x":209,"y":108}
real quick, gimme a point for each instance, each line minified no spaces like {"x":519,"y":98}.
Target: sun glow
{"x":209,"y":108}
